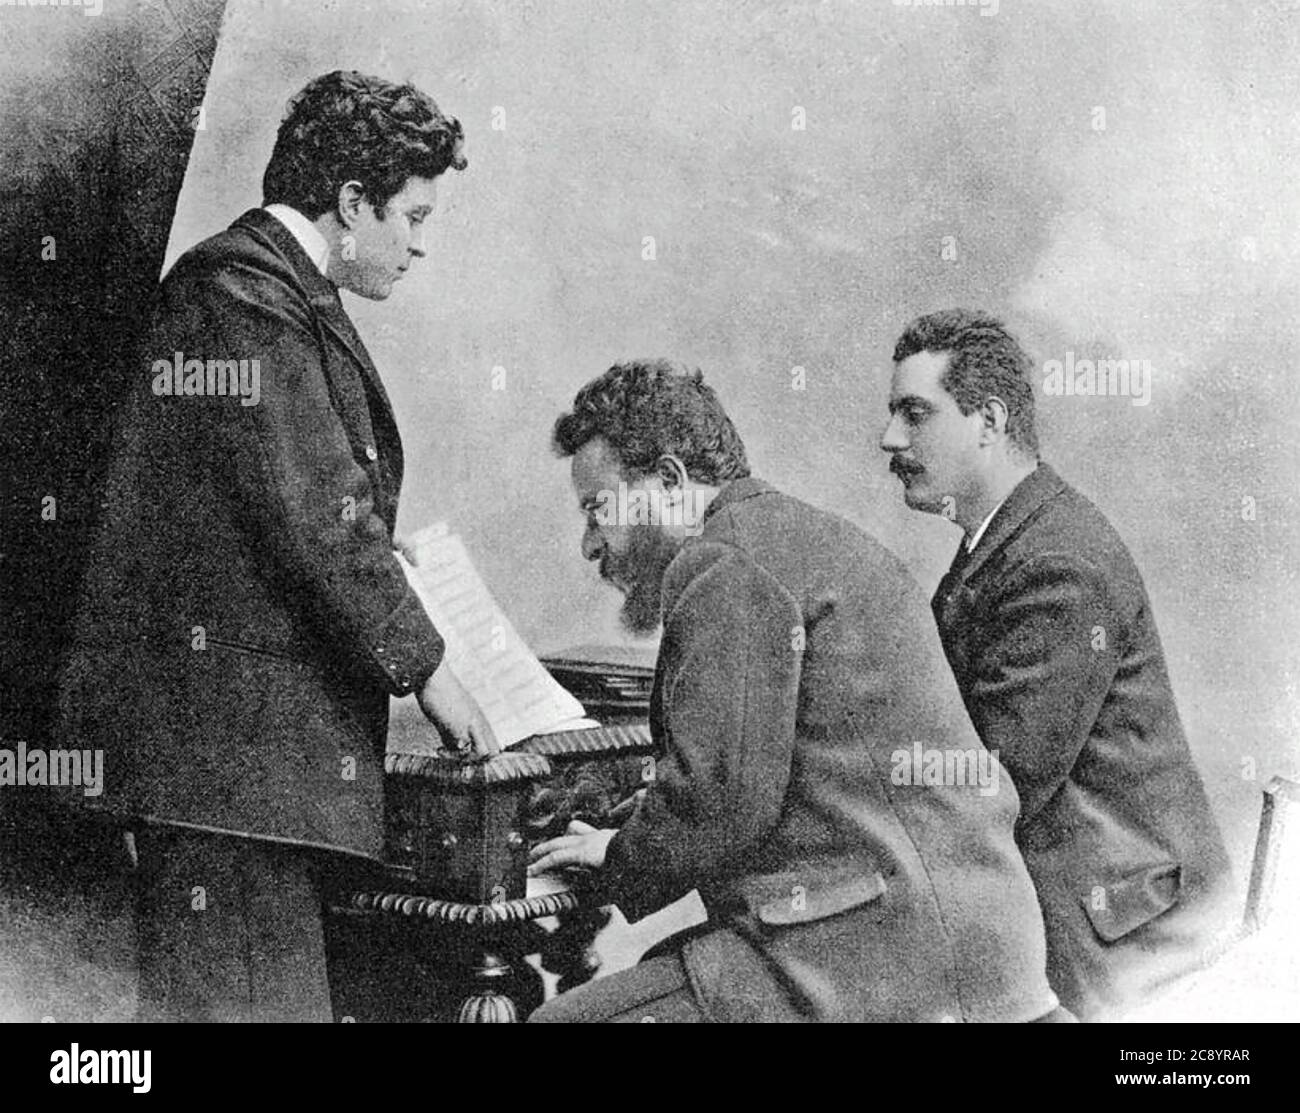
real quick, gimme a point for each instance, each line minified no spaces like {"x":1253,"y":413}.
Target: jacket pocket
{"x":821,"y":902}
{"x":1136,"y":899}
{"x":255,"y":650}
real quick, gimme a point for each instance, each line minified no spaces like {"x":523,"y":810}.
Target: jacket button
{"x":371,"y":453}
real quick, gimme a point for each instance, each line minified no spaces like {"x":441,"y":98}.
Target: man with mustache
{"x":797,"y":659}
{"x":1049,"y":631}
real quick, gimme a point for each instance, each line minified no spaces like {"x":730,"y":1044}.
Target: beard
{"x":641,"y":572}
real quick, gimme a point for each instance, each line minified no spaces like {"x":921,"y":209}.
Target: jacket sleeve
{"x":305,"y":501}
{"x":1043,"y":671}
{"x":729,"y":674}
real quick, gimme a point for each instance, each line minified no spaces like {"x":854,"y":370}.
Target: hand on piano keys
{"x":581,"y":847}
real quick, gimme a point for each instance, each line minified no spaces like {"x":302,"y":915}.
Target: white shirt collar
{"x":305,"y":232}
{"x":975,"y":537}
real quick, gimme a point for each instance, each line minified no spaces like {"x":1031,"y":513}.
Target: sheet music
{"x":515,"y":692}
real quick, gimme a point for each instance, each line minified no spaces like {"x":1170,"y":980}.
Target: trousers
{"x":230,"y":929}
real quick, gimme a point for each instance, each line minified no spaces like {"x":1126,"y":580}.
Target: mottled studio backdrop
{"x":1116,"y":176}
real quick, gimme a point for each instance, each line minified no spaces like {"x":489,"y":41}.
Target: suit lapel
{"x":955,"y":596}
{"x":337,"y":322}
{"x":1030,"y":493}
{"x":323,"y":297}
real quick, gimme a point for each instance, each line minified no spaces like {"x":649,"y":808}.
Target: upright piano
{"x":445,"y":930}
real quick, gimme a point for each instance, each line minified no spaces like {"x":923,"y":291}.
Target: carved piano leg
{"x":491,"y":1002}
{"x":484,"y":978}
{"x":569,"y":950}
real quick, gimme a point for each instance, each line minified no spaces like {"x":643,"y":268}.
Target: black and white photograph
{"x":575,"y":511}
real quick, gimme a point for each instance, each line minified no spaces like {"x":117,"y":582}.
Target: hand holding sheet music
{"x":484,"y":651}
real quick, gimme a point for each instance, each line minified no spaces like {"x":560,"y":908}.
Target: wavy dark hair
{"x":985,"y":360}
{"x":649,"y":408}
{"x":346,"y":126}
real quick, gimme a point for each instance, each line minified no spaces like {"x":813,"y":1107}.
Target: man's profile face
{"x":375,"y":252}
{"x":633,"y":557}
{"x":934,"y":447}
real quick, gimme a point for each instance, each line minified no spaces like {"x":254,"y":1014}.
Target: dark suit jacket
{"x":244,"y":620}
{"x":1050,"y":633}
{"x":797,"y":657}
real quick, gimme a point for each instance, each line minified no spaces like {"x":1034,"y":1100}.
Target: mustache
{"x":901,"y":466}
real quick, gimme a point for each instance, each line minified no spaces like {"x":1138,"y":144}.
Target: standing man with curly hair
{"x":244,"y":620}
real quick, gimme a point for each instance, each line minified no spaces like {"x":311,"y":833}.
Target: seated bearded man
{"x":798,"y":673}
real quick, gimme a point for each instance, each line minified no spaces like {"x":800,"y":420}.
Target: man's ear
{"x":351,"y":197}
{"x":993,"y":418}
{"x":671,"y":472}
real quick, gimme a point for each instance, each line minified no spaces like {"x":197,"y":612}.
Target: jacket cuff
{"x":617,"y":883}
{"x":407,"y":649}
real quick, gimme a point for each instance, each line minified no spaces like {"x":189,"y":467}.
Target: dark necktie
{"x":952,"y":578}
{"x":960,"y":559}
